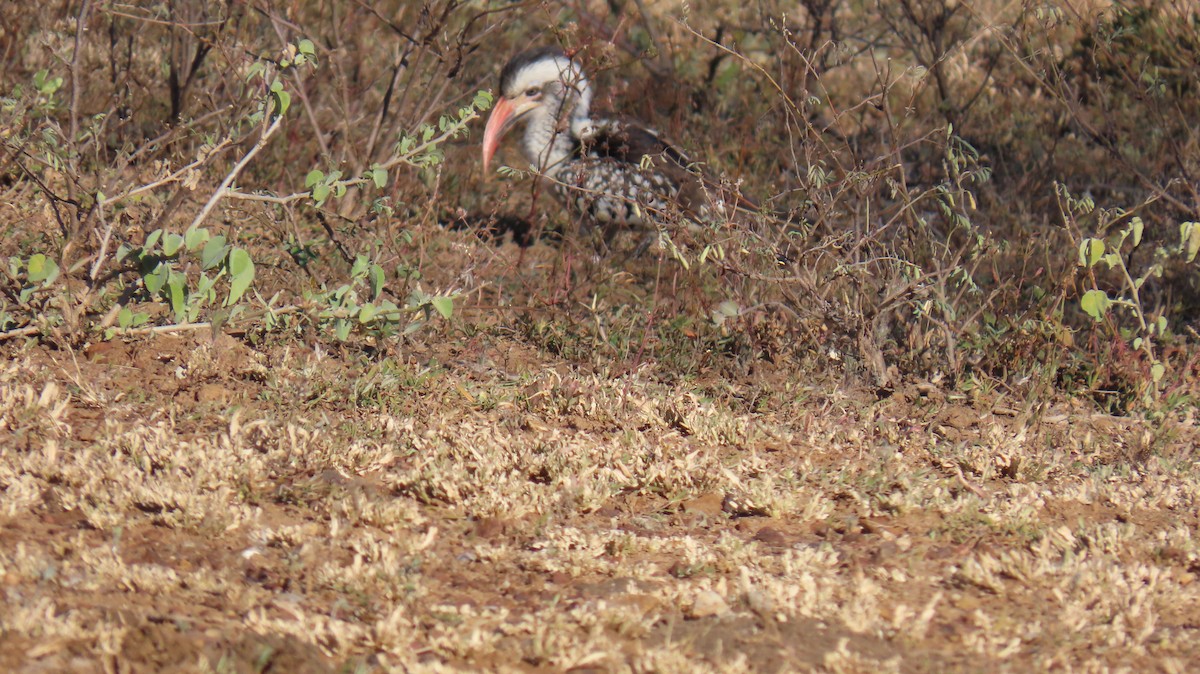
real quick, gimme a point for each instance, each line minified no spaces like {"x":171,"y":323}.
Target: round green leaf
{"x":284,"y":101}
{"x":42,"y":269}
{"x":171,"y":244}
{"x":320,"y":193}
{"x":156,"y":279}
{"x":195,"y":237}
{"x":443,"y":305}
{"x":214,"y":252}
{"x":367,"y":312}
{"x":1095,"y":303}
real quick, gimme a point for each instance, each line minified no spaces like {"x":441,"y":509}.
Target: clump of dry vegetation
{"x":289,"y":387}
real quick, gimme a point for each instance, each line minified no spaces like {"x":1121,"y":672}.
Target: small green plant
{"x":161,"y":263}
{"x":359,"y":305}
{"x":1113,"y":251}
{"x":420,"y":149}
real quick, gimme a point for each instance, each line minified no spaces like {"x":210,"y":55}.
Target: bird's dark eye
{"x":533,"y":92}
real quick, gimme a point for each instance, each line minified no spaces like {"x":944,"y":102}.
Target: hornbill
{"x":615,"y":173}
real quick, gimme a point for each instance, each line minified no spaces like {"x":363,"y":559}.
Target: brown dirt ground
{"x":182,"y":503}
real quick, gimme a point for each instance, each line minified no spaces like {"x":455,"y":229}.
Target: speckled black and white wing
{"x":622,"y":174}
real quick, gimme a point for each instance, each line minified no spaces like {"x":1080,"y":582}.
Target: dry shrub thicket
{"x":963,"y":200}
{"x":945,"y":162}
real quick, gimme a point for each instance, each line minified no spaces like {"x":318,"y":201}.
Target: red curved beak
{"x":498,"y":124}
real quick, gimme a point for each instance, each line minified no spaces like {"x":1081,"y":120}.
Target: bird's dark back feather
{"x":628,"y":142}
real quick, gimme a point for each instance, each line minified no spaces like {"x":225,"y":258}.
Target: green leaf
{"x":443,"y":305}
{"x":177,"y":292}
{"x":171,"y":244}
{"x":123,"y":252}
{"x":306,"y":47}
{"x":152,"y":239}
{"x":1095,"y":303}
{"x":42,"y":269}
{"x":341,"y":329}
{"x":45,"y":84}
{"x":205,"y":287}
{"x":1113,"y":260}
{"x":376,"y":276}
{"x":241,"y":272}
{"x":214,"y":252}
{"x":283,"y":101}
{"x":194,"y":238}
{"x":1136,"y":226}
{"x":1090,"y":252}
{"x":483,"y":100}
{"x":320,"y":193}
{"x":379,"y":176}
{"x":1161,"y":325}
{"x":1157,"y":371}
{"x":367,"y":312}
{"x":125,"y":317}
{"x":314,"y":176}
{"x":1189,"y":236}
{"x":157,"y":278}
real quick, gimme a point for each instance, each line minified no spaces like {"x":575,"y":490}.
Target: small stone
{"x":706,"y":604}
{"x":770,"y":536}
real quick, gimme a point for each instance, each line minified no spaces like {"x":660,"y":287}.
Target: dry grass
{"x":174,"y":504}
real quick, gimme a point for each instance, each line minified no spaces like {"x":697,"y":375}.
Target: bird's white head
{"x":541,"y":86}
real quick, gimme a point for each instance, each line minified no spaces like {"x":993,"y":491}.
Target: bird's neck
{"x":554,"y":130}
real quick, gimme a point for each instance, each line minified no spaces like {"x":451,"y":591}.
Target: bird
{"x":614,"y":173}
